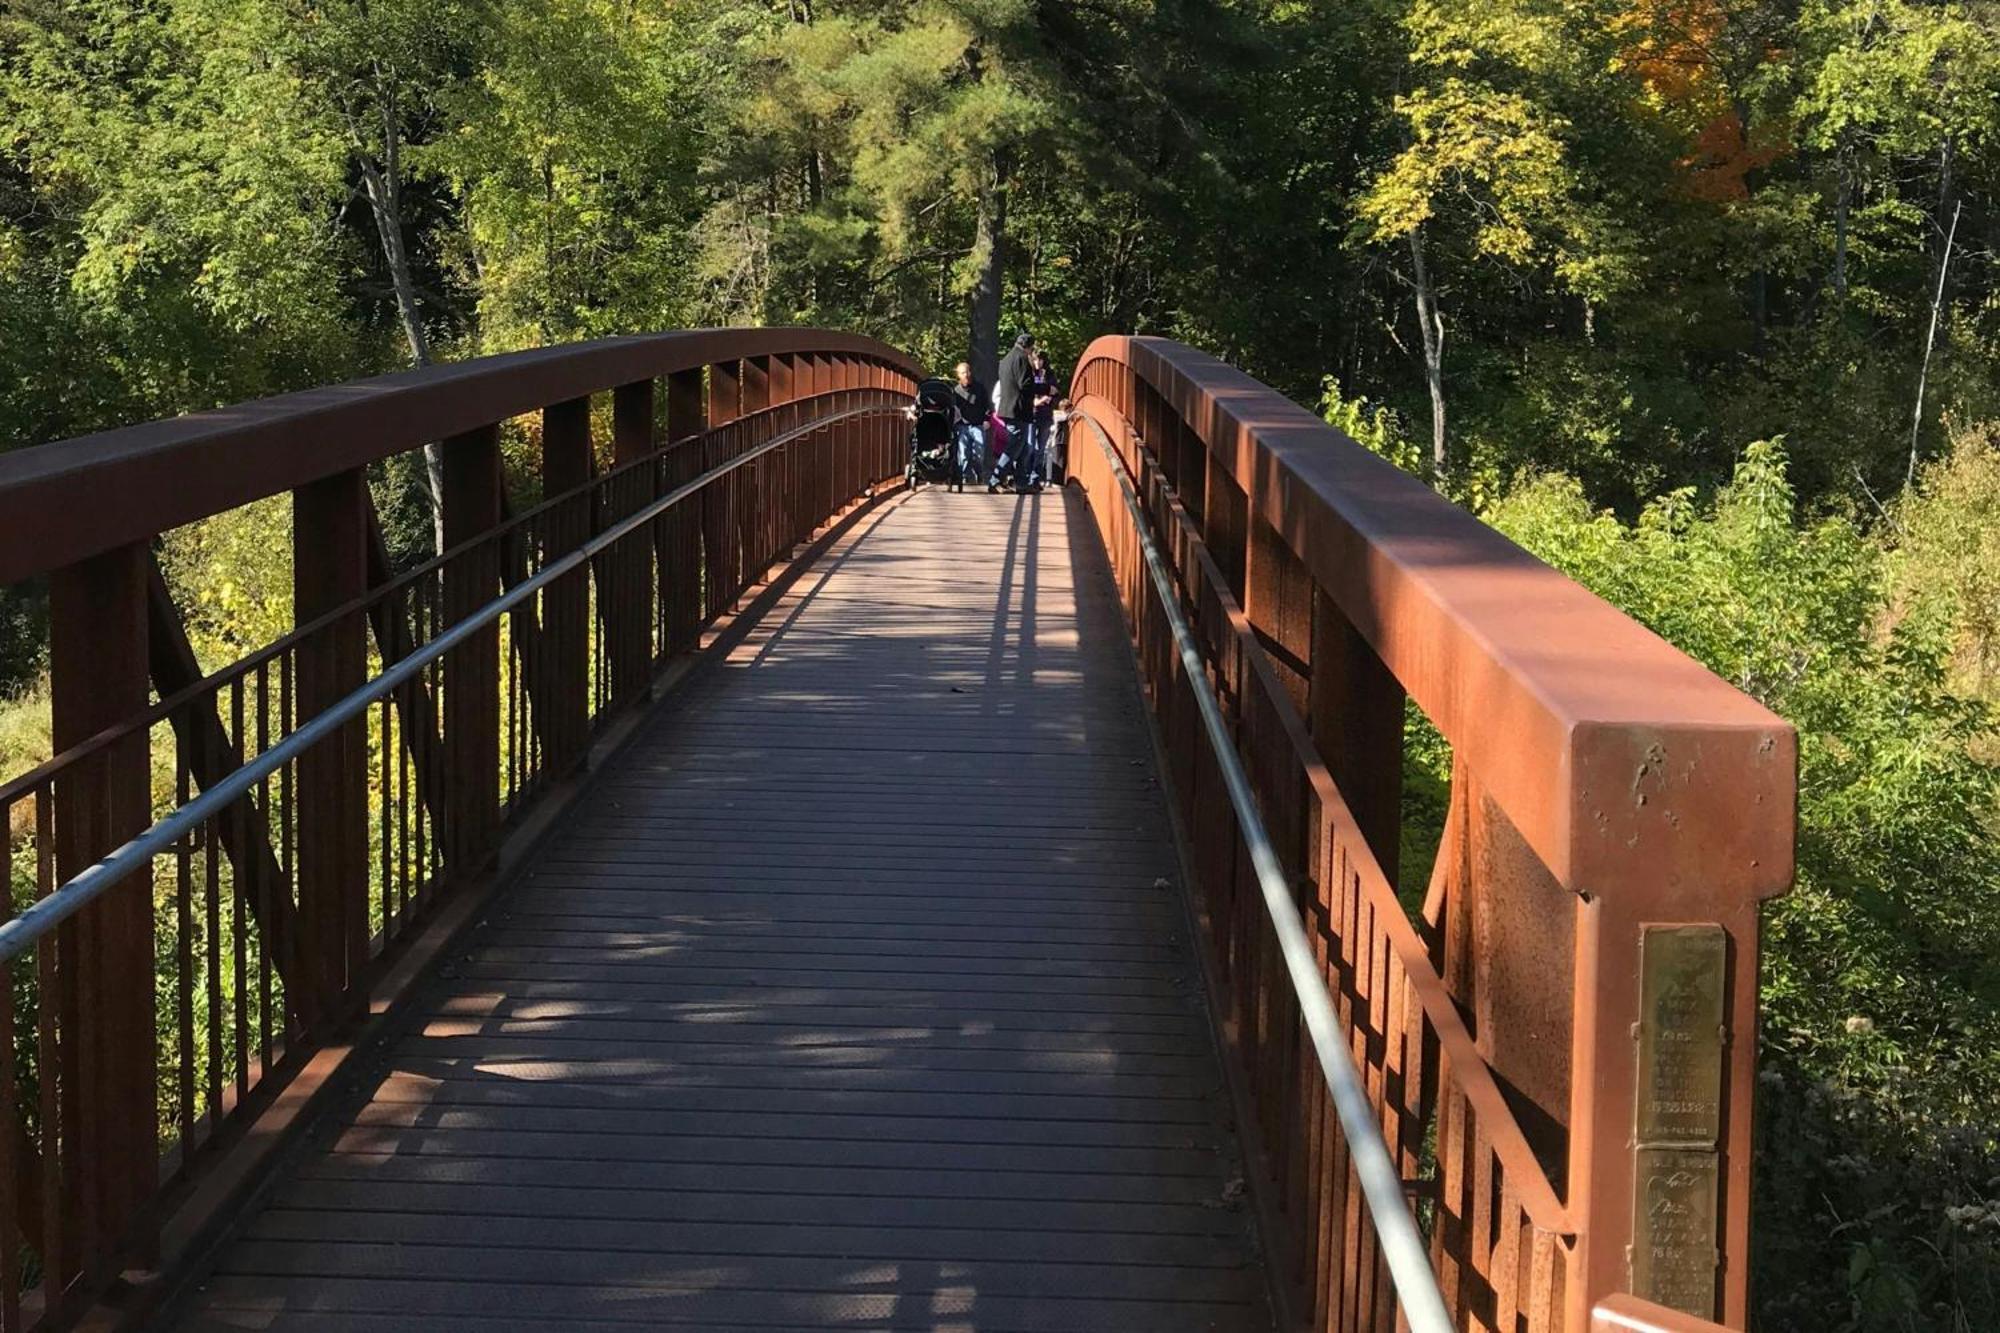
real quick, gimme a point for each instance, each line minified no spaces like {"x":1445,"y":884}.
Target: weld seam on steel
{"x":45,"y":914}
{"x":1402,"y":1244}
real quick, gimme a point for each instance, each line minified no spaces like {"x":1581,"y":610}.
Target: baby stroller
{"x":933,"y":446}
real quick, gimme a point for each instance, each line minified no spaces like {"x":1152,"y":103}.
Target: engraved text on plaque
{"x":1682,"y":970}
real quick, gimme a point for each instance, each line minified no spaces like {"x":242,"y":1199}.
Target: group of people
{"x":1012,"y":435}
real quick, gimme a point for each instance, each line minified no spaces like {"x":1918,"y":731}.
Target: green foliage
{"x":1948,"y":554}
{"x":231,"y":576}
{"x":1375,"y":428}
{"x":574,"y":155}
{"x":1652,"y":229}
{"x":1881,"y":992}
{"x":192,"y":192}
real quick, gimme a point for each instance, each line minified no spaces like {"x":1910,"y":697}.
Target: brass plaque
{"x":1681,"y":975}
{"x":1673,"y":1242}
{"x":1683,"y":971}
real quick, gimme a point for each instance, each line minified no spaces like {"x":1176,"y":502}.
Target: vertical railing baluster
{"x":184,"y":961}
{"x":385,"y":820}
{"x":50,"y":1011}
{"x":265,"y":891}
{"x":13,"y":1132}
{"x":212,"y":1054}
{"x":297,"y":983}
{"x":239,"y":1017}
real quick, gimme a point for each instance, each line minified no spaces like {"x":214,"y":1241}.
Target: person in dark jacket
{"x":1014,"y":399}
{"x":968,"y":423}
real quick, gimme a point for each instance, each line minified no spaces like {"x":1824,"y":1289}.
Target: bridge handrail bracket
{"x":333,"y":791}
{"x":1617,"y":814}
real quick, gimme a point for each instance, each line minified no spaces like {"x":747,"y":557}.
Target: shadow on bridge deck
{"x":847,"y":1000}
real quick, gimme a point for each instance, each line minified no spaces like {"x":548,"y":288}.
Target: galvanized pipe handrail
{"x":38,"y":919}
{"x":1403,"y":1246}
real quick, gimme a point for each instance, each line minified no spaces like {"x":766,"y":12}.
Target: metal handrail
{"x":1403,"y":1246}
{"x":45,"y":914}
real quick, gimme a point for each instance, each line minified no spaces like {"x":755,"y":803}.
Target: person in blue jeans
{"x":1014,"y":400}
{"x":968,"y":424}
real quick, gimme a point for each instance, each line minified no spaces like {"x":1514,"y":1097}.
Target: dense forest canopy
{"x":1697,"y":299}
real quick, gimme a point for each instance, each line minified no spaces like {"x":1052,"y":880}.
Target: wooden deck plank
{"x":859,"y":996}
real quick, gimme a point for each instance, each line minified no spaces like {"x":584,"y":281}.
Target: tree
{"x":380,"y":71}
{"x":174,"y":203}
{"x":575,"y":161}
{"x":1489,"y":161}
{"x":884,"y":148}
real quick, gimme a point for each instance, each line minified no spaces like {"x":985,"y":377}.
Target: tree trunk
{"x":1840,"y":206}
{"x":382,"y":179}
{"x":1759,"y":314}
{"x":548,"y":248}
{"x":1930,"y":342}
{"x":989,"y":248}
{"x":1432,"y":325}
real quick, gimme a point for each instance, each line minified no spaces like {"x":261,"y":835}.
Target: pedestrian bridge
{"x":729,"y":890}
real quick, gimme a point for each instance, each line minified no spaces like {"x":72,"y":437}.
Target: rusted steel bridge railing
{"x":1560,"y":1043}
{"x":171,"y":976}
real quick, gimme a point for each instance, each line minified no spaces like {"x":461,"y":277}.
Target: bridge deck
{"x":849,"y":1000}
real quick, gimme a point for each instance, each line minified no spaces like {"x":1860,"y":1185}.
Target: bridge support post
{"x":1355,"y":708}
{"x":788,"y":496}
{"x":1664,"y":1033}
{"x":785,"y":394}
{"x":472,"y":491}
{"x":756,"y":524}
{"x":861,"y":435}
{"x":629,"y":604}
{"x":784,"y":388}
{"x":96,"y":976}
{"x":681,"y":556}
{"x":329,"y":570}
{"x":1225,"y":521}
{"x":567,"y":464}
{"x":723,"y":570}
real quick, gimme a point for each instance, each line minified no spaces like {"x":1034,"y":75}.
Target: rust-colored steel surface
{"x":60,"y":503}
{"x":1540,"y":1036}
{"x":141,"y":1036}
{"x":1629,"y":1314}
